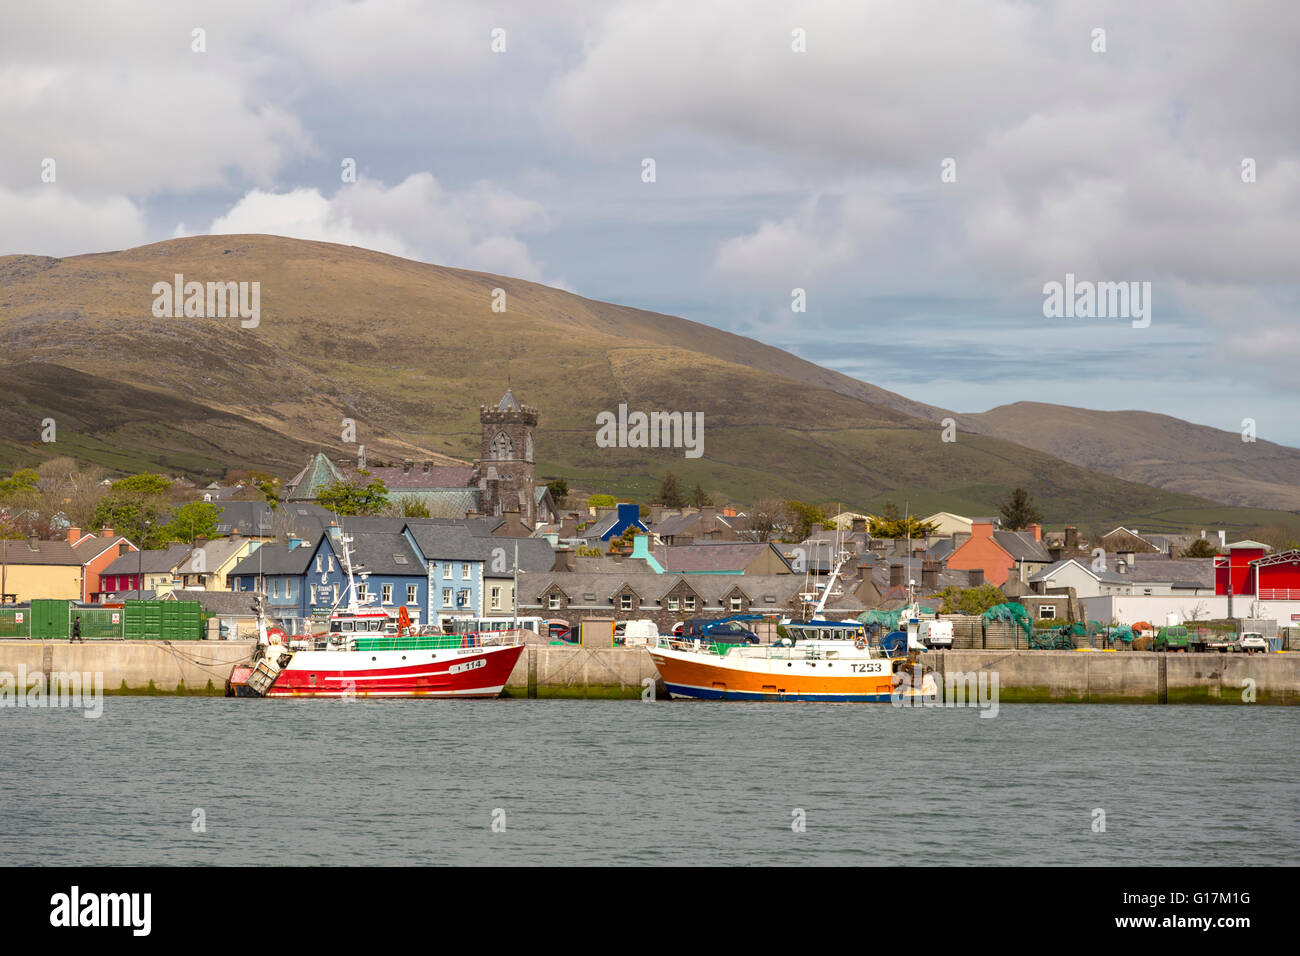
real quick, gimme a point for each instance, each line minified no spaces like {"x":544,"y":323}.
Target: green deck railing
{"x":430,"y":642}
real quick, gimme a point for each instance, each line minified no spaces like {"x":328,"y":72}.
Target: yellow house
{"x":210,"y":562}
{"x":34,"y":568}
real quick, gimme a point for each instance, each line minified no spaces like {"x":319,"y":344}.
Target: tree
{"x":804,"y":518}
{"x":135,"y":505}
{"x":192,"y":520}
{"x":670,"y":492}
{"x":18,"y":486}
{"x":1200,"y":548}
{"x":970,"y":600}
{"x":1019,"y":511}
{"x":601,"y":501}
{"x":352,"y":498}
{"x":559,"y":488}
{"x":408,"y":506}
{"x":897,"y":527}
{"x":699,"y":498}
{"x":767,"y":517}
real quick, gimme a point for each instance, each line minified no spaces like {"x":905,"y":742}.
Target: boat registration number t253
{"x":468,"y":666}
{"x":869,"y":667}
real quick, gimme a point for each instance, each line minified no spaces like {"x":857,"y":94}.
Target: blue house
{"x":304,"y":582}
{"x":453,"y":560}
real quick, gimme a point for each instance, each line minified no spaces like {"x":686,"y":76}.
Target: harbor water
{"x":194,"y":781}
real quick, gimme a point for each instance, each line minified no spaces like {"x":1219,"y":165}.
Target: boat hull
{"x":705,"y":676}
{"x":463,"y":672}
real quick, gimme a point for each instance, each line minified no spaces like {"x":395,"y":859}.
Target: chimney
{"x":896,"y":575}
{"x":708,"y":515}
{"x":859,"y":525}
{"x":976,"y":577}
{"x":200,"y":541}
{"x":1071,"y":538}
{"x":1055,"y":553}
{"x":1037,"y":529}
{"x":1125,"y":562}
{"x":981,"y":529}
{"x":930,"y":576}
{"x":106,"y":532}
{"x":74,"y":535}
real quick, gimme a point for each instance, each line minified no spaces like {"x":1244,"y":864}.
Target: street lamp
{"x":139,"y":577}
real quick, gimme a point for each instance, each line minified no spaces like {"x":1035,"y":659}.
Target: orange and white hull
{"x":743,"y":675}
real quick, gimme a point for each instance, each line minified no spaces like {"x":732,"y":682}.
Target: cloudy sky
{"x":795,"y":145}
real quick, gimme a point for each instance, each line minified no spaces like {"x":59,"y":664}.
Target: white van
{"x":935,"y":633}
{"x":637,"y":633}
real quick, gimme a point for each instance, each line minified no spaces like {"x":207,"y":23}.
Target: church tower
{"x":505,"y":471}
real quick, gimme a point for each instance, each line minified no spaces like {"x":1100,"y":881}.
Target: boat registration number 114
{"x":468,"y":666}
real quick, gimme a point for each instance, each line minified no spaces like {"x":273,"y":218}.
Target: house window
{"x":464,"y":571}
{"x":275,"y":587}
{"x":496,"y":599}
{"x":446,"y":597}
{"x":462,"y":599}
{"x":735,"y":603}
{"x":1046,"y":611}
{"x":363,"y":592}
{"x":290,"y":588}
{"x":388,"y":594}
{"x":625,"y":602}
{"x":319,"y":567}
{"x":688,"y":602}
{"x":412,"y":594}
{"x":553,"y":602}
{"x":673,"y":603}
{"x":446,"y":569}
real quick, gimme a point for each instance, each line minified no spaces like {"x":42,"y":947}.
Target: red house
{"x":1237,"y":568}
{"x":1277,"y":576}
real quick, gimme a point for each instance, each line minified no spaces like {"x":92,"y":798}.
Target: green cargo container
{"x":50,"y":620}
{"x":163,"y":621}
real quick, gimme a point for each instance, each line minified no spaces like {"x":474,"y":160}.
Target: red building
{"x":1237,"y":567}
{"x":1278,"y":576}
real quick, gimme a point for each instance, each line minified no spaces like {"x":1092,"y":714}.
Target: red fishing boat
{"x":367,"y":653}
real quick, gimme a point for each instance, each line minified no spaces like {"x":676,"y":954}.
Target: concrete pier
{"x":1131,"y":677}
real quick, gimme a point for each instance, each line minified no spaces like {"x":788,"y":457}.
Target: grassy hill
{"x":410,"y":351}
{"x":1156,"y":450}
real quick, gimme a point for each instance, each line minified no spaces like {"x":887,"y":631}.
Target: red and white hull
{"x":452,"y":672}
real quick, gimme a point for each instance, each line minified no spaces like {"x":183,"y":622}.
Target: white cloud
{"x":418,"y":218}
{"x":49,"y":221}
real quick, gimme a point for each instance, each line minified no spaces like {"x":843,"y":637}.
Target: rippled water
{"x":314,"y":782}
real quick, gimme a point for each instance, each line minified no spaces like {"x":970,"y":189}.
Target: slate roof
{"x":437,"y":478}
{"x":42,"y":552}
{"x":318,"y":473}
{"x":215,"y":553}
{"x":245,"y":517}
{"x":223,"y":603}
{"x":1147,"y":569}
{"x":385,"y":553}
{"x":148,"y":562}
{"x":275,"y":559}
{"x":713,"y":556}
{"x":1022,"y":546}
{"x":588,"y":589}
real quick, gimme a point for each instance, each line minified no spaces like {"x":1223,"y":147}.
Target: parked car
{"x":722,"y":630}
{"x":1173,"y":637}
{"x":636,"y":633}
{"x":1253,"y":641}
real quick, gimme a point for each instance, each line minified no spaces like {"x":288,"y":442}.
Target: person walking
{"x":76,"y":631}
